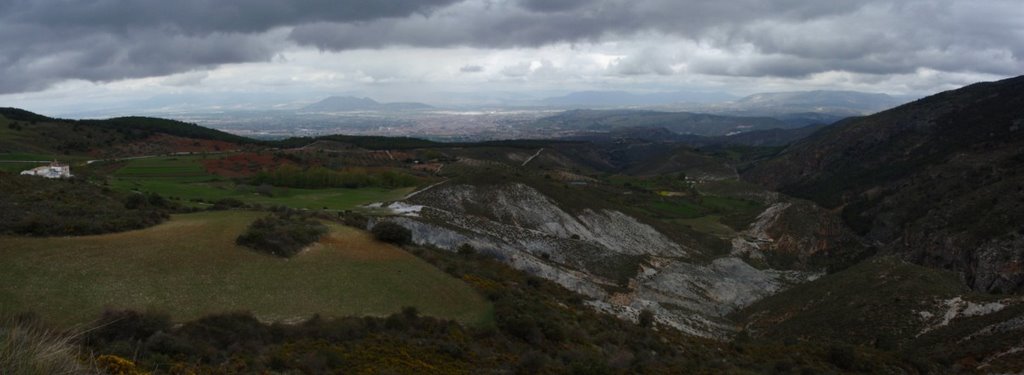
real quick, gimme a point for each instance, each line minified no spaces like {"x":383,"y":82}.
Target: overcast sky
{"x":60,"y":56}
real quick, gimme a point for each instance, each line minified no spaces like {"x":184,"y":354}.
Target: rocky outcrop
{"x":797,"y":234}
{"x":622,"y":264}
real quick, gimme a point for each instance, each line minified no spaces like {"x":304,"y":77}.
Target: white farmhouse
{"x":54,"y":170}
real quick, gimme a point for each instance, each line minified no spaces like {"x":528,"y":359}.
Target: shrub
{"x":227,"y":203}
{"x":282,"y":234}
{"x":112,"y":364}
{"x":115,"y":325}
{"x":391,"y":232}
{"x":843,"y":356}
{"x":466,"y":250}
{"x":646,"y":318}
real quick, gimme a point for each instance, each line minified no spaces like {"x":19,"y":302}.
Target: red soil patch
{"x":159,"y":144}
{"x":243,"y":164}
{"x":179,"y":144}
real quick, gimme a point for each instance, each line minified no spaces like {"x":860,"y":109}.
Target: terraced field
{"x":190,"y":267}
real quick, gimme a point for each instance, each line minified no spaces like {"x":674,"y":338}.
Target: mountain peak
{"x":352,"y":103}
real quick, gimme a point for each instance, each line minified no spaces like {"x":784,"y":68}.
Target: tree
{"x":391,"y":232}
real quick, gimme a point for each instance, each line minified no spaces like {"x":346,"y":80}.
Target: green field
{"x":184,"y":178}
{"x":190,"y":267}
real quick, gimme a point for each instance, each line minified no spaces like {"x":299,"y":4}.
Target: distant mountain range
{"x":795,"y":107}
{"x":676,"y":122}
{"x":849,"y":103}
{"x":351,"y":103}
{"x":591,"y":99}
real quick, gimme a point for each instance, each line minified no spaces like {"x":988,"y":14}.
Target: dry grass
{"x":30,"y":350}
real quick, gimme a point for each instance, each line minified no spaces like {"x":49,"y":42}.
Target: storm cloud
{"x":45,"y":42}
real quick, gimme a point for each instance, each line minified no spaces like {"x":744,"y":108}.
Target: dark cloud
{"x":786,"y":38}
{"x":43,"y":42}
{"x":552,"y":5}
{"x":206,"y":16}
{"x":471,"y":69}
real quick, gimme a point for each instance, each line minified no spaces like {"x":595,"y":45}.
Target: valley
{"x":782,"y":242}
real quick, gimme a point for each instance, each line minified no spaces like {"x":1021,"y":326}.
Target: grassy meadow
{"x":183,"y":177}
{"x":190,"y":267}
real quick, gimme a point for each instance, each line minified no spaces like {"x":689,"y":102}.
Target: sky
{"x":70,"y":56}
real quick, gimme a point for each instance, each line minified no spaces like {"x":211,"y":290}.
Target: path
{"x":531,"y":158}
{"x":170,"y":154}
{"x":413,"y":194}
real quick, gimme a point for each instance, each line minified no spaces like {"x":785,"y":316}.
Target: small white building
{"x":54,"y":170}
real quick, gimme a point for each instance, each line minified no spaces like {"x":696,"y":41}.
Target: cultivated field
{"x":190,"y":267}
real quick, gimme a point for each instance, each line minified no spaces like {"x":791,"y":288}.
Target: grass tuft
{"x":26,"y":348}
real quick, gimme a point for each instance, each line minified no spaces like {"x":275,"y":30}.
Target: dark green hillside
{"x":17,"y":114}
{"x":23,"y":131}
{"x":142,"y":127}
{"x":939,"y":180}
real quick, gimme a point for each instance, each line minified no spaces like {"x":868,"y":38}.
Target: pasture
{"x":190,"y":267}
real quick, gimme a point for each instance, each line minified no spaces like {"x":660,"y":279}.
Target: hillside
{"x":26,"y":132}
{"x":849,"y":103}
{"x":632,"y":227}
{"x":891,"y":304}
{"x":938,"y":181}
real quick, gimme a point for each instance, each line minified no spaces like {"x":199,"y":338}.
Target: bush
{"x":466,"y":250}
{"x":116,"y":325}
{"x":227,"y":203}
{"x":646,"y":318}
{"x":282,"y":234}
{"x":391,"y":232}
{"x":843,"y":356}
